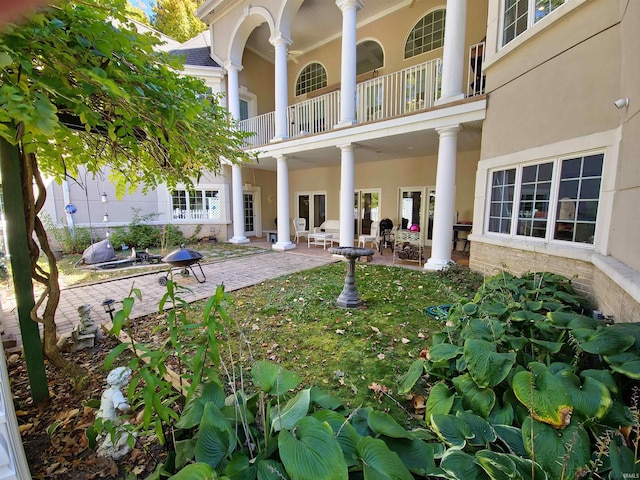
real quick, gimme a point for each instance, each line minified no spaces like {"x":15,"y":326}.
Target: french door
{"x":416,"y":205}
{"x":312,"y":206}
{"x":252,"y":213}
{"x":366,"y":207}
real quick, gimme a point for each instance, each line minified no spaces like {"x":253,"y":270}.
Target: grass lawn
{"x":294,"y":321}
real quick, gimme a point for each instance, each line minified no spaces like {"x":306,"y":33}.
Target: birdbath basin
{"x":349,"y":297}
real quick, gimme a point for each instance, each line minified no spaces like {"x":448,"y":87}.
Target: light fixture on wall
{"x":103,"y":198}
{"x":621,"y":103}
{"x":105,"y":218}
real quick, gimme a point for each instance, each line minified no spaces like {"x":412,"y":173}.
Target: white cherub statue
{"x":113,"y":402}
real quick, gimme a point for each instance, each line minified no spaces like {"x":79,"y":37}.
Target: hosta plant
{"x":522,"y":384}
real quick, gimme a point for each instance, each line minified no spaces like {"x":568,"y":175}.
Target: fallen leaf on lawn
{"x":255,"y":327}
{"x":341,"y":381}
{"x":375,"y":329}
{"x":381,"y":356}
{"x":339,"y":331}
{"x":405,"y":340}
{"x":424,"y":354}
{"x":421,"y":335}
{"x":21,"y":413}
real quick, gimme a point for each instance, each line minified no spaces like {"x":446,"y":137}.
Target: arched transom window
{"x":369,"y":56}
{"x":312,"y":77}
{"x":427,"y":34}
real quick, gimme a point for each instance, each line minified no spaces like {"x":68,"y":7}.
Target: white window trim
{"x":413,"y":25}
{"x":224,"y":204}
{"x":553,"y":201}
{"x":500,"y":50}
{"x":607,"y":142}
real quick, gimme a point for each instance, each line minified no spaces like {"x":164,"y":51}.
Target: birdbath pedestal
{"x":349,"y":297}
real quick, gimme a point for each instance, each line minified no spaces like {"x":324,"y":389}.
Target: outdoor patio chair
{"x":300,"y":229}
{"x":373,"y":237}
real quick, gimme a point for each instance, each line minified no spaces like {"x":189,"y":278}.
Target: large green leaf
{"x":440,"y":400}
{"x":544,"y":395}
{"x":271,"y":470}
{"x":409,"y":379}
{"x":504,"y":466}
{"x":561,"y":453}
{"x":603,"y":376}
{"x":480,"y":400}
{"x":310,"y":450}
{"x":527,"y":316}
{"x":623,"y":461}
{"x":195,"y":471}
{"x":295,"y":409}
{"x":512,"y":438}
{"x":216,"y":439}
{"x":444,"y":352}
{"x":501,"y":414}
{"x":591,"y":399}
{"x":489,"y":330}
{"x":451,"y":430}
{"x":346,"y":434}
{"x":551,"y":347}
{"x":483,"y":433}
{"x":562,"y":319}
{"x":384,"y":424}
{"x":460,"y":465}
{"x":192,"y":414}
{"x":607,"y":341}
{"x":486,"y":366}
{"x":273,"y":379}
{"x":626,"y":363}
{"x":380,"y":463}
{"x":416,"y":455}
{"x":185,"y":451}
{"x":239,"y":468}
{"x":324,"y":399}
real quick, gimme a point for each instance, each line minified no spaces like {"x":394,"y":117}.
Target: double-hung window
{"x":198,"y":204}
{"x":552,"y":200}
{"x":520,"y":15}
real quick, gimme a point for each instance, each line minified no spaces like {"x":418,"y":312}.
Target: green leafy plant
{"x":70,"y":240}
{"x":141,"y":233}
{"x":522,"y":383}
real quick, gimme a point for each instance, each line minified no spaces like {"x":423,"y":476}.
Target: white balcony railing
{"x":410,"y":90}
{"x":475,"y":78}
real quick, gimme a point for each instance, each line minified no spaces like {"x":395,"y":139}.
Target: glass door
{"x":412,"y":208}
{"x":366,"y":204}
{"x":312,"y":207}
{"x":249,"y":214}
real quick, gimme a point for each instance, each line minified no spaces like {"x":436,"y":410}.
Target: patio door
{"x":366,"y":207}
{"x":312,"y":206}
{"x":251,"y":208}
{"x":413,"y":208}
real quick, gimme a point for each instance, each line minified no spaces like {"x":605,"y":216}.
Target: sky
{"x":144,"y":5}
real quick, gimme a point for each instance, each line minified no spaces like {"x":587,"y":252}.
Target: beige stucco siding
{"x":258,"y":76}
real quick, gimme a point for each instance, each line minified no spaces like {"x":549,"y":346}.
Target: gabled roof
{"x":196,"y":50}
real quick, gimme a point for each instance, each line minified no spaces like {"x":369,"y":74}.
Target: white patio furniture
{"x":373,"y":237}
{"x":300,"y":229}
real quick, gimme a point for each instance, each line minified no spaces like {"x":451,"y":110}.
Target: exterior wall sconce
{"x":621,"y":103}
{"x":105,"y":218}
{"x":103,"y":198}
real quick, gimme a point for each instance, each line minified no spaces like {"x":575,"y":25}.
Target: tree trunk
{"x":50,"y":297}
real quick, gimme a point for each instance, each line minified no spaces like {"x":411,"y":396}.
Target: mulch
{"x":64,"y":454}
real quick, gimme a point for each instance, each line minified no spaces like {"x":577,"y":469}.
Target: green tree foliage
{"x":177,"y":19}
{"x":80,"y":87}
{"x":137,"y":14}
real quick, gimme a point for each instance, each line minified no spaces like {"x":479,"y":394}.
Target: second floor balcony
{"x":413,"y":89}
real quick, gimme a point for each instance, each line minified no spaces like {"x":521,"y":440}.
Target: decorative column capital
{"x":280,"y":39}
{"x":230,"y":66}
{"x":346,"y":147}
{"x":448,"y":130}
{"x":346,"y":4}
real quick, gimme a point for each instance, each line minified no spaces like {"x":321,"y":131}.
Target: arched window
{"x":369,"y":56}
{"x":312,"y":77}
{"x":427,"y":34}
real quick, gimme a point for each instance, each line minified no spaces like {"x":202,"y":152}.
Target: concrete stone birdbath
{"x":349,"y":297}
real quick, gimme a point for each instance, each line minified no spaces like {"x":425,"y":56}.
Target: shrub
{"x":74,"y":240}
{"x":141,"y":234}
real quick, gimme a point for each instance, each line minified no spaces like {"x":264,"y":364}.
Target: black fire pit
{"x":183,"y":259}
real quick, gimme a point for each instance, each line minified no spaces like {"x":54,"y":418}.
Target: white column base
{"x":282,"y":246}
{"x":436,"y":265}
{"x":347,"y":123}
{"x":278,"y":139}
{"x":239,"y":240}
{"x":449,"y":99}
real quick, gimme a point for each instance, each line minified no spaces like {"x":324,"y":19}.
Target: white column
{"x":445,"y":199}
{"x":281,"y":93}
{"x":348,"y":63}
{"x":233,"y":105}
{"x":454,"y":52}
{"x":284,"y":230}
{"x":347,"y":186}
